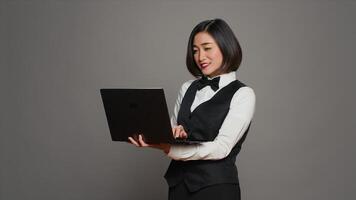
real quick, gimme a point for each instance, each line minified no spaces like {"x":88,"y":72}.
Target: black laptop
{"x":130,"y":112}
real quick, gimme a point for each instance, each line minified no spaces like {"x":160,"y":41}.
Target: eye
{"x":194,"y":51}
{"x":208,"y":48}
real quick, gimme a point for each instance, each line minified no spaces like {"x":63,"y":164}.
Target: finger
{"x":176,"y":132}
{"x":181,"y":134}
{"x":184,"y":134}
{"x":142,"y":143}
{"x":182,"y":128}
{"x":173,"y":131}
{"x":133,"y":141}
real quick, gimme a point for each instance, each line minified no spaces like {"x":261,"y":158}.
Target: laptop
{"x":130,"y":112}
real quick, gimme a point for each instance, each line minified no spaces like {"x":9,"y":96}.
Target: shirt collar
{"x":225,"y":79}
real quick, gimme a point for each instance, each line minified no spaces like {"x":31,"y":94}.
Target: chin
{"x":207,"y":74}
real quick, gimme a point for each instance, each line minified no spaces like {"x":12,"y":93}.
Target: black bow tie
{"x":204,"y":81}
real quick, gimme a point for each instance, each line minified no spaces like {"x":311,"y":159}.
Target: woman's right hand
{"x":179,"y":132}
{"x":141,"y":143}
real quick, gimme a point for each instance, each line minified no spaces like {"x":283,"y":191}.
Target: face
{"x":207,"y":54}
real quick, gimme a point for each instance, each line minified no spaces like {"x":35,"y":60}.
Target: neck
{"x":215,"y":75}
{"x":218,"y":73}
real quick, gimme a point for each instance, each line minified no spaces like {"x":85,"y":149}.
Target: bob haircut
{"x":225,"y":39}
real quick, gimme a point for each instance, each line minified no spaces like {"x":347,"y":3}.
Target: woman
{"x":216,"y":108}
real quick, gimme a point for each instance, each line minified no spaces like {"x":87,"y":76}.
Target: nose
{"x":202,"y":56}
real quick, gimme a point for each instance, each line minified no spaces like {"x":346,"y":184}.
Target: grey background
{"x":299,"y":57}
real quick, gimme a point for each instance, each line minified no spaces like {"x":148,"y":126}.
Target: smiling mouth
{"x":204,"y":65}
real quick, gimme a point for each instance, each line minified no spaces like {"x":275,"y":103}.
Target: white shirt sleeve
{"x":242,"y":108}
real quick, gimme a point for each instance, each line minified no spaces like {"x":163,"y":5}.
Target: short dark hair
{"x":225,"y":39}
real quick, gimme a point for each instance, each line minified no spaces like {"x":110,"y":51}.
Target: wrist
{"x":166,"y":148}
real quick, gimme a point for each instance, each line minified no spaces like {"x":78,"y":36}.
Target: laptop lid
{"x":130,"y":112}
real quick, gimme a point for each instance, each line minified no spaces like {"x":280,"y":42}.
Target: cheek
{"x":196,"y":58}
{"x":217,"y":56}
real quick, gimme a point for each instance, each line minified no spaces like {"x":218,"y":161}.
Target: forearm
{"x":162,"y":146}
{"x":214,"y":150}
{"x":234,"y":126}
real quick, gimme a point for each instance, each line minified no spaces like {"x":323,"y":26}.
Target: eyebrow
{"x":205,"y":43}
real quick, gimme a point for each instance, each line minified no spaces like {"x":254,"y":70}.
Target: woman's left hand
{"x":141,"y":143}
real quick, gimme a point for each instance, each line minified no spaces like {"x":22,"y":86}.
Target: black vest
{"x":204,"y":124}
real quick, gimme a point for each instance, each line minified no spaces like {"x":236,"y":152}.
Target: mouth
{"x":204,"y":65}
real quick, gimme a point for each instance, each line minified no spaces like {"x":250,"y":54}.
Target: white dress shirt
{"x":242,"y":108}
